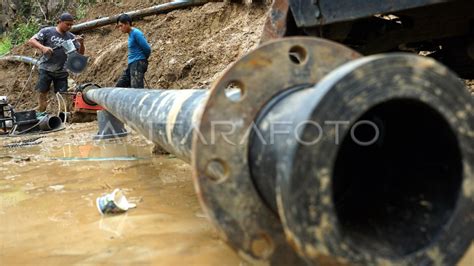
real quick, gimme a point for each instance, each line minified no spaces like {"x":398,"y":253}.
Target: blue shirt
{"x":138,"y":47}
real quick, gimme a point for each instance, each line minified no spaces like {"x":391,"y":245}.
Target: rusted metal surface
{"x":276,"y":24}
{"x":228,"y":195}
{"x":388,"y":203}
{"x":373,"y":27}
{"x":323,"y":12}
{"x":154,"y":10}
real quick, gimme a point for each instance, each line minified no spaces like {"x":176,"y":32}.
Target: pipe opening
{"x":50,"y":123}
{"x":393,"y":196}
{"x":54,"y":122}
{"x":64,"y":116}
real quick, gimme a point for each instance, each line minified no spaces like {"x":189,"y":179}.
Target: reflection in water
{"x":113,"y":224}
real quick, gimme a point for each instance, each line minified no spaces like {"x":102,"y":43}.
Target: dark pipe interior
{"x":62,"y":116}
{"x":54,"y":122}
{"x":394,"y":197}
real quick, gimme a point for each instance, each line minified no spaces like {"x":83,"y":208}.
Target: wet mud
{"x":48,"y":213}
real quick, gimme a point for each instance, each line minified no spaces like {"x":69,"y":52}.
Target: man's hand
{"x":80,"y":39}
{"x":47,"y":50}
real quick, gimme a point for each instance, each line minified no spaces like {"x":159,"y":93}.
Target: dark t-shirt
{"x":50,"y":37}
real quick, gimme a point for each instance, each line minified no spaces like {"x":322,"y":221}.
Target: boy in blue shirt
{"x":138,"y":52}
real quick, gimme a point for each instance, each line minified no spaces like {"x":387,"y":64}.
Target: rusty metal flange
{"x":220,"y":146}
{"x":367,"y":205}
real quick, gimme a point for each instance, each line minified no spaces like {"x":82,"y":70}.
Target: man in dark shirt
{"x":138,"y":52}
{"x":49,"y":40}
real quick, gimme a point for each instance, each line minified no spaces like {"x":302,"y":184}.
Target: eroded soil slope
{"x":191,"y":48}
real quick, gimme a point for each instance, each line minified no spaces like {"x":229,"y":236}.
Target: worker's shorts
{"x":58,"y":79}
{"x":134,"y":75}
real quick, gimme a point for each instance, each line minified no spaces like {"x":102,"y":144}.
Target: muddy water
{"x":48,"y":213}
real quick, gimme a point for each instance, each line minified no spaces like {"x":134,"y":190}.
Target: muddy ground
{"x":48,"y":213}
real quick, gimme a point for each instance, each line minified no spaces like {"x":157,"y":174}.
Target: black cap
{"x":66,"y":17}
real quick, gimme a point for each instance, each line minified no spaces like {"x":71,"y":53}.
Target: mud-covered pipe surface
{"x":373,"y":175}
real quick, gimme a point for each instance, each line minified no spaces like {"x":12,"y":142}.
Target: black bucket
{"x":25,"y":120}
{"x":25,"y":117}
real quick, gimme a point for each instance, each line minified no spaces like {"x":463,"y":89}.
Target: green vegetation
{"x":82,"y":7}
{"x":21,"y":32}
{"x":5,"y":45}
{"x":31,"y":14}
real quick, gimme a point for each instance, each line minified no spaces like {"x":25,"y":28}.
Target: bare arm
{"x":80,"y":40}
{"x":36,"y":44}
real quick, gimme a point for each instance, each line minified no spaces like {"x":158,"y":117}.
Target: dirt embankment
{"x":191,"y":48}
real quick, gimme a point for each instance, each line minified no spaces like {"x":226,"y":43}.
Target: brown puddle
{"x":48,"y":213}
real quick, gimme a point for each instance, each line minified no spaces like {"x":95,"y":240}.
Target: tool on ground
{"x":24,"y":142}
{"x":81,"y":104}
{"x":21,"y":122}
{"x":6,"y":119}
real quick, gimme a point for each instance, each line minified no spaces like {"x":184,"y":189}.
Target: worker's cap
{"x":66,"y":17}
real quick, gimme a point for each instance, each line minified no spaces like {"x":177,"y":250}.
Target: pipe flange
{"x":220,"y":145}
{"x":399,"y":191}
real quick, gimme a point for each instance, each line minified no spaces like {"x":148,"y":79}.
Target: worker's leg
{"x":137,"y":73}
{"x":61,"y":85}
{"x":42,"y":101}
{"x":42,"y":87}
{"x":60,"y":82}
{"x":124,"y":80}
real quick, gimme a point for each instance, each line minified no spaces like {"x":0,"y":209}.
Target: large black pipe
{"x":274,"y":136}
{"x":154,"y":10}
{"x":370,"y":177}
{"x":166,"y":117}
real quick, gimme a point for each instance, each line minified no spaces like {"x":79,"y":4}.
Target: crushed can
{"x":114,"y":202}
